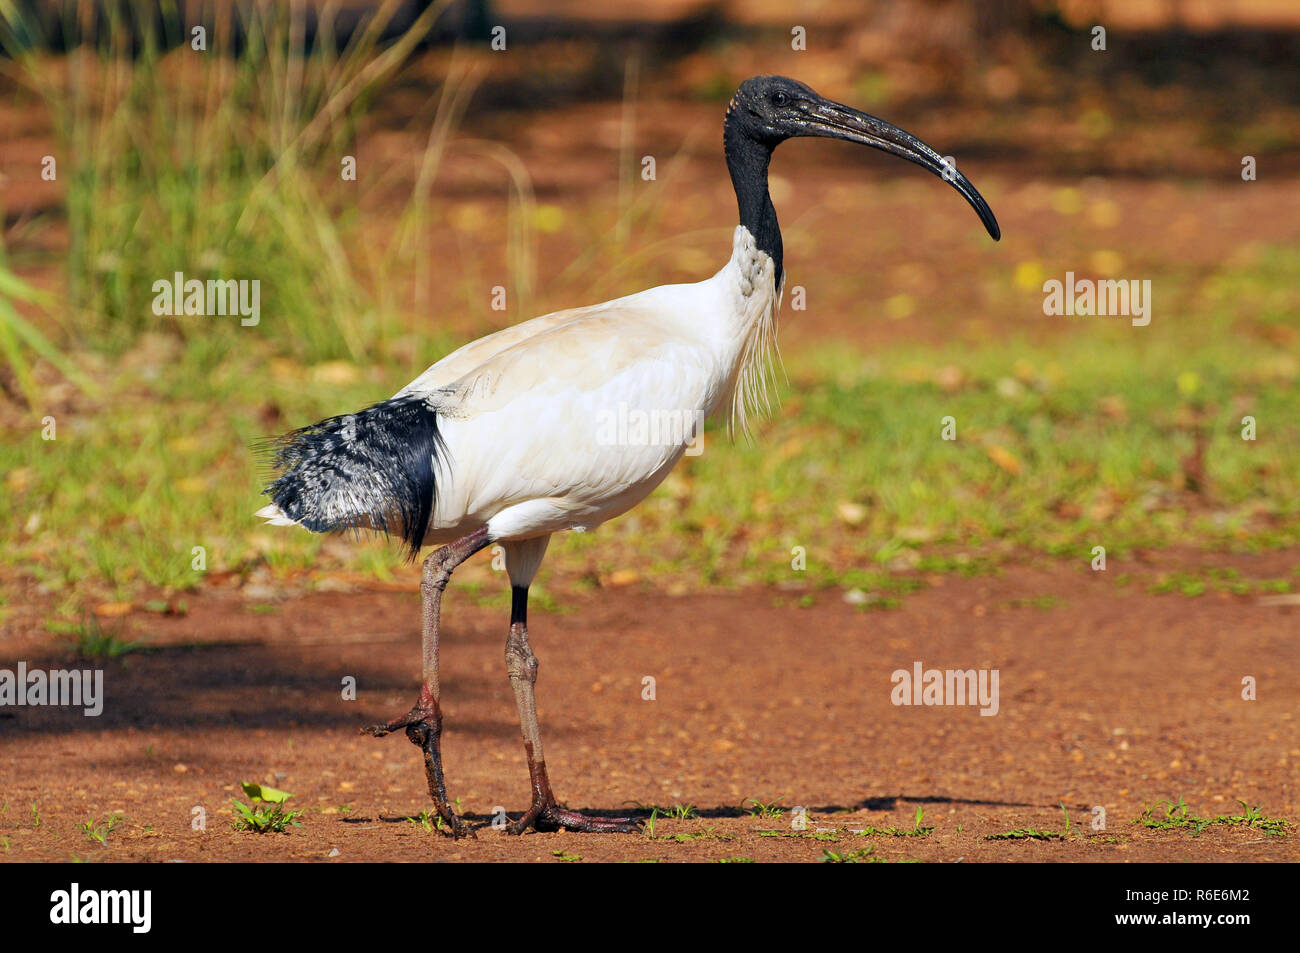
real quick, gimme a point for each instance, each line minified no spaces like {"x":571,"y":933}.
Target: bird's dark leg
{"x":544,"y":814}
{"x":423,"y":723}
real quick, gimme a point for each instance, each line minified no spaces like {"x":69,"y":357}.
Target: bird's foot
{"x":423,"y":726}
{"x":424,"y":717}
{"x":426,"y":738}
{"x":549,"y":816}
{"x":451,"y":823}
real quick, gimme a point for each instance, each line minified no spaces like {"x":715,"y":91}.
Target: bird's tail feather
{"x":370,"y":470}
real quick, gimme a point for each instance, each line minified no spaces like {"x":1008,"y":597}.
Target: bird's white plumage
{"x":524,"y":413}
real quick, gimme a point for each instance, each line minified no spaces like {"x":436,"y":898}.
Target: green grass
{"x":1029,"y":833}
{"x":98,"y":831}
{"x":267,"y":813}
{"x":1192,"y":583}
{"x":768,"y":810}
{"x":214,"y":165}
{"x":1026,"y":833}
{"x":226,"y":166}
{"x":22,"y":344}
{"x":166,"y":483}
{"x":219,"y":166}
{"x":1176,"y":815}
{"x":90,"y":641}
{"x":687,"y":837}
{"x":860,"y":856}
{"x":881,"y":431}
{"x":426,"y":820}
{"x":863,"y":855}
{"x":261,"y":819}
{"x":916,"y":830}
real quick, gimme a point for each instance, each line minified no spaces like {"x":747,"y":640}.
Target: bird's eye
{"x":779,"y":98}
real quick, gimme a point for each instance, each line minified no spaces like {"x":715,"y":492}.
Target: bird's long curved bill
{"x":837,"y":121}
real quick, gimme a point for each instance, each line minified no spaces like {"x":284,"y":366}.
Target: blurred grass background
{"x":522,"y":169}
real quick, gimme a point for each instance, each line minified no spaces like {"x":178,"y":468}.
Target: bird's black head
{"x":767,"y":110}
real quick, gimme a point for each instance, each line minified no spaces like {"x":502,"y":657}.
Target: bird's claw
{"x":423,"y":726}
{"x":416,"y":720}
{"x":549,"y":817}
{"x":459,"y":827}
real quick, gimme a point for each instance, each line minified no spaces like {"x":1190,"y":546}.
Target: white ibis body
{"x":568,"y":420}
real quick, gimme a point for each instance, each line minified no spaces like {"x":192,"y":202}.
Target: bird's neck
{"x":747,"y":161}
{"x":744,"y":329}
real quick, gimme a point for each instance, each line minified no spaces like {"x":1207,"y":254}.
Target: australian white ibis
{"x":506,"y":439}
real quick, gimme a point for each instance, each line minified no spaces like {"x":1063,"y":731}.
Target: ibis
{"x":508,"y":439}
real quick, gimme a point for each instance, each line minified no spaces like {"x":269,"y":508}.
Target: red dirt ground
{"x":1111,"y":697}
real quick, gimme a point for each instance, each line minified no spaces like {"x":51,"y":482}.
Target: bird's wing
{"x":589,"y":412}
{"x":584,"y":353}
{"x":464,"y":359}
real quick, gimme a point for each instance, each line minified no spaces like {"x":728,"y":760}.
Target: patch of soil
{"x":1108,"y":697}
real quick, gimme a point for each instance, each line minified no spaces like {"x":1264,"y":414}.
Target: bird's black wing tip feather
{"x":372,"y":470}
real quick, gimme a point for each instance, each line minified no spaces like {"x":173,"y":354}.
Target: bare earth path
{"x":1109,"y":697}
